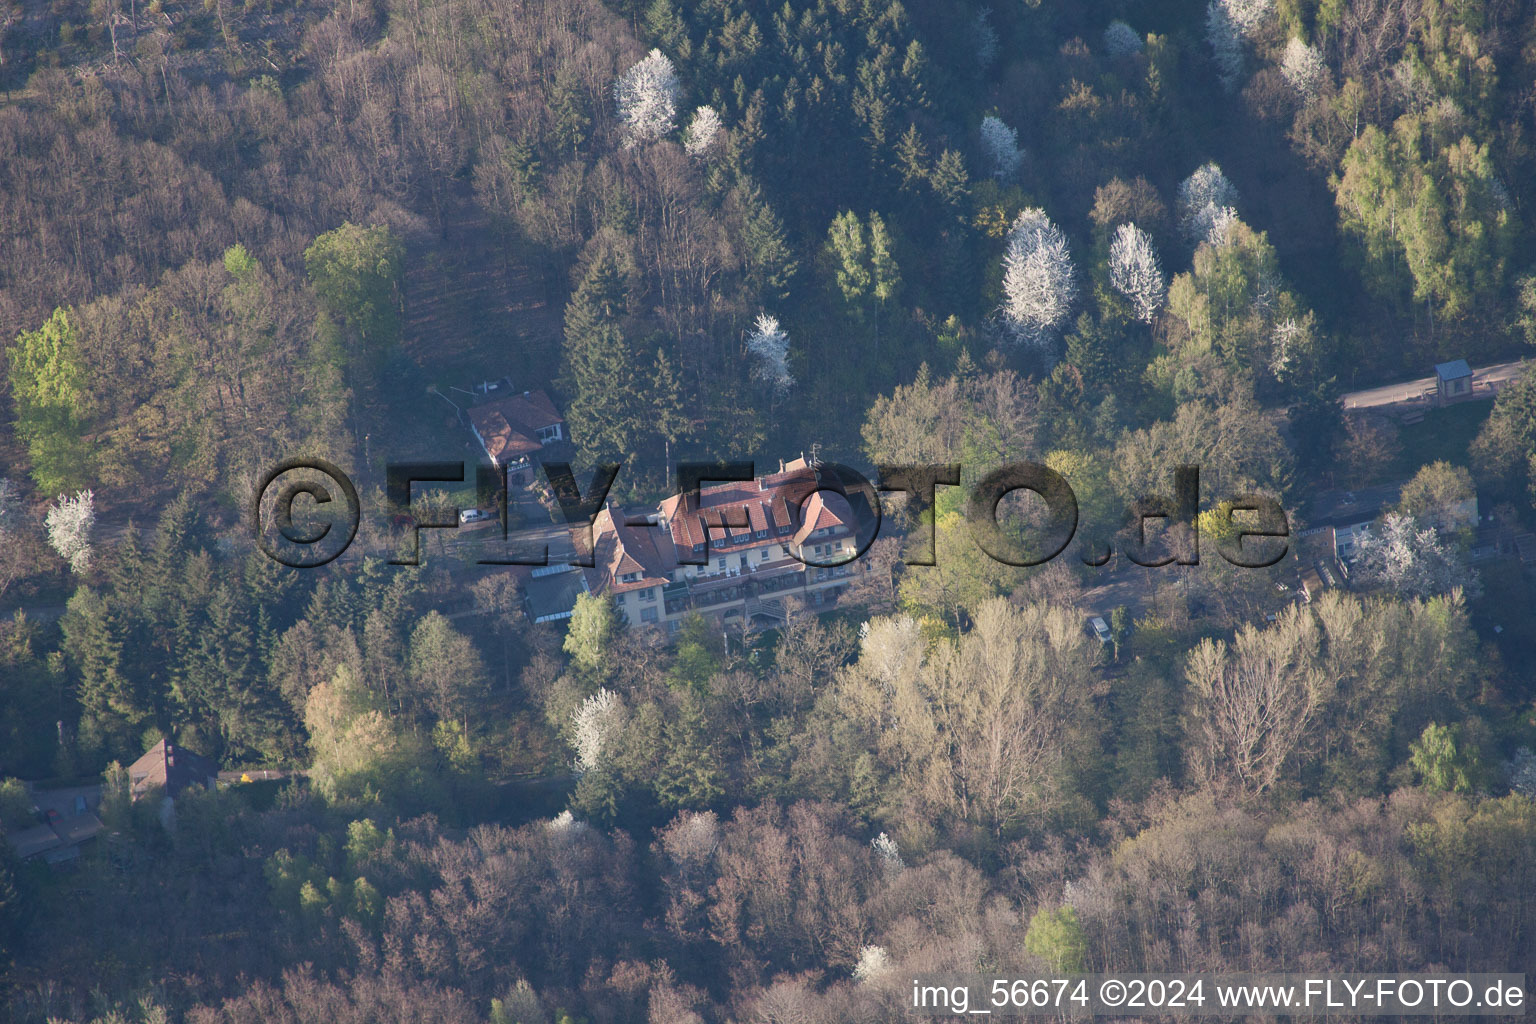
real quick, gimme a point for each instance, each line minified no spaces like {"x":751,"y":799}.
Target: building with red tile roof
{"x":171,"y":769}
{"x":514,"y":430}
{"x":753,"y":538}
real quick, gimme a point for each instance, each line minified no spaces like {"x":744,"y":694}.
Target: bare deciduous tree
{"x":1250,"y":702}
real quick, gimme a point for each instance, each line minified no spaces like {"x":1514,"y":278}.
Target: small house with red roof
{"x":513,"y":431}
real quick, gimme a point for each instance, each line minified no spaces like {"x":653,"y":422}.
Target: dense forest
{"x":1108,"y":236}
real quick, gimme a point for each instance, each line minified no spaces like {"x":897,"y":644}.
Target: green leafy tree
{"x":698,"y":654}
{"x":1442,"y":495}
{"x":691,"y":773}
{"x":357,"y":752}
{"x":911,"y":161}
{"x":15,"y":805}
{"x":1233,"y":313}
{"x":885,"y":276}
{"x":356,"y":272}
{"x":1501,"y":454}
{"x":364,"y":840}
{"x":1428,"y":217}
{"x":850,"y":258}
{"x":1443,"y":762}
{"x":48,"y":388}
{"x":446,"y":674}
{"x":769,"y":263}
{"x":619,"y":406}
{"x":594,"y":627}
{"x":1055,"y":936}
{"x":114,"y":707}
{"x":1119,"y":627}
{"x":951,"y":181}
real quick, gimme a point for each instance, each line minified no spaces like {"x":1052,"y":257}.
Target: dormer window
{"x":630,"y":577}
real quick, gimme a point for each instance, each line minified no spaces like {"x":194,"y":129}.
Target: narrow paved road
{"x":1486,"y":382}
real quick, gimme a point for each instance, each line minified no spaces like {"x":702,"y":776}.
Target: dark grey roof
{"x":35,"y":840}
{"x":552,"y":597}
{"x":1348,"y":507}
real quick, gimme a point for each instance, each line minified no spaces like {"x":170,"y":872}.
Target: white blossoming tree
{"x":1218,"y":222}
{"x":646,"y":98}
{"x":1120,"y":40}
{"x":1248,"y":16}
{"x":1411,"y":561}
{"x":1228,"y":24}
{"x":874,"y":964}
{"x":1303,"y":68}
{"x":885,"y":847}
{"x":1002,"y":147}
{"x":1201,"y":196}
{"x":70,"y":523}
{"x":770,"y":346}
{"x":1038,"y":284}
{"x":565,"y":824}
{"x":1226,"y":44}
{"x":1521,"y":771}
{"x":1134,"y":271}
{"x":702,"y":132}
{"x":595,"y":725}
